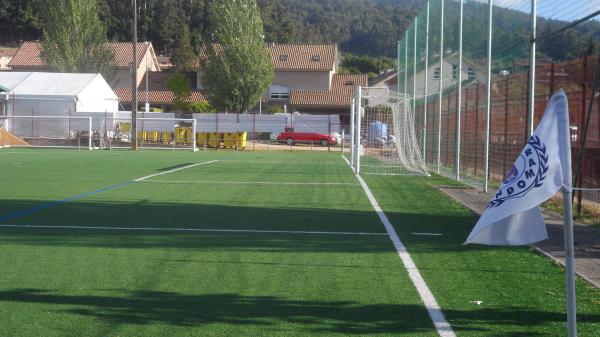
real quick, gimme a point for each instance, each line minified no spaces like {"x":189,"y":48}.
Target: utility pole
{"x":134,"y":100}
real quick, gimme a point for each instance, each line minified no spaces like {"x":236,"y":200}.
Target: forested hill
{"x":364,"y":27}
{"x":358,"y":26}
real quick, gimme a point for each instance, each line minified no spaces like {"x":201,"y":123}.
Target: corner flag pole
{"x":570,"y":263}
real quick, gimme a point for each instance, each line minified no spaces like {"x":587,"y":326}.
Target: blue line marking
{"x":29,"y":211}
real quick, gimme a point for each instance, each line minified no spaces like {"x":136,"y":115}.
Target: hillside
{"x":362,"y":27}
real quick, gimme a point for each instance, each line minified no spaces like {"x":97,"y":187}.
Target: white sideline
{"x":166,"y":229}
{"x":174,"y":170}
{"x":246,"y":182}
{"x":433,"y":308}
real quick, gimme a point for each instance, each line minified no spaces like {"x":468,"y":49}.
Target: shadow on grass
{"x":346,"y":317}
{"x":146,"y":214}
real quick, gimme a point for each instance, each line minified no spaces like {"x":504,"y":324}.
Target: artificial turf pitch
{"x":285,"y":269}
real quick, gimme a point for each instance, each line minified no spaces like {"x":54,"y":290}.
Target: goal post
{"x":384,"y":134}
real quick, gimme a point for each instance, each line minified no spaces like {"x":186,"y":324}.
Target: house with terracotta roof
{"x":156,"y":92}
{"x":28,"y":58}
{"x":306,"y":79}
{"x":6,"y":54}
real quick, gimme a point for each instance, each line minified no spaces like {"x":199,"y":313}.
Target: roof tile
{"x":28,"y":56}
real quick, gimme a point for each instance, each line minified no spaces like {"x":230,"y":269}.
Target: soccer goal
{"x":383,"y":134}
{"x":50,"y":131}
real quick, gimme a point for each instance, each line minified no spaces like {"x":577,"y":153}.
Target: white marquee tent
{"x":60,"y":95}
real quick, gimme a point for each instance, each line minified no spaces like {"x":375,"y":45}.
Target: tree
{"x":237,"y":67}
{"x":182,"y":91}
{"x":183,"y":56}
{"x":75,"y":39}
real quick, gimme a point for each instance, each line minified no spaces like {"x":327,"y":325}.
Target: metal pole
{"x":530,"y":113}
{"x":358,"y":113}
{"x":134,"y":100}
{"x":570,"y":263}
{"x":441,"y":83}
{"x":458,"y":91}
{"x":488,"y":110}
{"x":406,"y":62}
{"x":426,"y":81}
{"x":414,"y":92}
{"x":352,"y":134}
{"x":398,"y":71}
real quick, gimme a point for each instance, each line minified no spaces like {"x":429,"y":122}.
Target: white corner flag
{"x":513,"y":216}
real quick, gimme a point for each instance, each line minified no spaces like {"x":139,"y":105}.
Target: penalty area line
{"x":443,"y":328}
{"x":174,"y":170}
{"x":248,"y":182}
{"x":166,"y":229}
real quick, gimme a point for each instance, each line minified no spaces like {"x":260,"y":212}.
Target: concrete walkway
{"x":587,"y":238}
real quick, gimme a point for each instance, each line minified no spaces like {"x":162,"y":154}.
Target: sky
{"x":566,"y":10}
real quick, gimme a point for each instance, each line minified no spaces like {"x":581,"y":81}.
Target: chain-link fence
{"x":443,"y":65}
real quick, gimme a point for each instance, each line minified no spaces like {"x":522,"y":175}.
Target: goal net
{"x":101,"y":131}
{"x":50,"y":131}
{"x":384,"y":136}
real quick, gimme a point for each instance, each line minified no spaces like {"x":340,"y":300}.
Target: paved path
{"x":587,"y":238}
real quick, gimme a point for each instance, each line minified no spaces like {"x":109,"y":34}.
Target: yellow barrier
{"x":202,"y":139}
{"x":166,"y":137}
{"x":189,"y":136}
{"x":214,"y":139}
{"x":229,"y":140}
{"x":240,"y":139}
{"x":124,"y":127}
{"x":152,"y":136}
{"x":141,"y":136}
{"x":179,"y":135}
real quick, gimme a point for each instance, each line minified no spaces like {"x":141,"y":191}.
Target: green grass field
{"x":268,"y":244}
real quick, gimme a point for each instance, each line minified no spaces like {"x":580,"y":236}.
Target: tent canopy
{"x":89,"y":92}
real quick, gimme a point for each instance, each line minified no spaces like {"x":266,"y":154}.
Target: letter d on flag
{"x":513,"y":216}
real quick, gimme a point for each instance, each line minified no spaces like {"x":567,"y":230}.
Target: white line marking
{"x":174,"y":170}
{"x":246,"y":182}
{"x":427,"y":234}
{"x":164,"y":229}
{"x":435,"y":312}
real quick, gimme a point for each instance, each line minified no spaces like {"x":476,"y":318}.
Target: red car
{"x":291,"y":138}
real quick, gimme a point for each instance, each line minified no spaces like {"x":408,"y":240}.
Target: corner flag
{"x":513,"y":216}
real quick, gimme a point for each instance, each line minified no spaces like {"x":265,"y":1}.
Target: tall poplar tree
{"x":237,"y":67}
{"x":74,"y":38}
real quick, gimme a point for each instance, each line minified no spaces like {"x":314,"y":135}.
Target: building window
{"x":283,"y":58}
{"x":349,"y":82}
{"x":472,"y":74}
{"x":279,"y":92}
{"x":316,"y":58}
{"x":436,"y":74}
{"x":454,"y":72}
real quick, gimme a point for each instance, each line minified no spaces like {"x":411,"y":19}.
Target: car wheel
{"x":324,"y":142}
{"x":289,"y":141}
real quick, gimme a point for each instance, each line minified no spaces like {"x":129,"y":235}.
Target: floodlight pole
{"x":358,"y":106}
{"x":426,"y":82}
{"x":398,"y":71}
{"x":488,"y":110}
{"x":352,"y":133}
{"x":414,"y":93}
{"x":441,"y":88}
{"x":406,"y":62}
{"x":134,"y":100}
{"x":532,"y":59}
{"x":459,"y":90}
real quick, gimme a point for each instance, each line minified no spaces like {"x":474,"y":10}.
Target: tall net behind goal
{"x":386,"y":129}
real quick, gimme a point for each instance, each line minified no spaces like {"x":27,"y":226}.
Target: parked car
{"x":290,"y":137}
